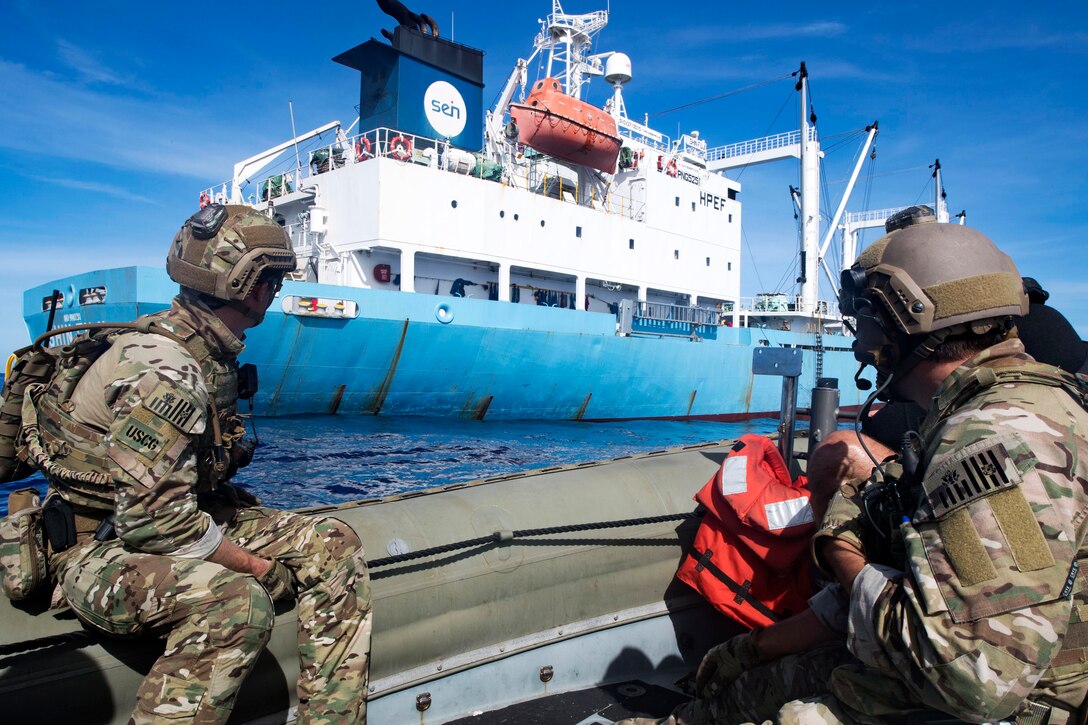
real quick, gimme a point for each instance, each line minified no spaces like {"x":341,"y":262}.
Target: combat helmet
{"x":222,"y":250}
{"x":923,"y":282}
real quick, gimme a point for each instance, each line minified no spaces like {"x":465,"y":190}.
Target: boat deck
{"x":594,"y":706}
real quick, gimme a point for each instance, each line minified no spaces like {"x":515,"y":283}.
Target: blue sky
{"x":116,"y":114}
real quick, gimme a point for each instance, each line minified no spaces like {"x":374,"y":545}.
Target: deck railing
{"x":533,"y":171}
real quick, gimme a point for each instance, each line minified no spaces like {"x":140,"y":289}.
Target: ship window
{"x":678,"y":201}
{"x":578,"y":232}
{"x":708,"y":261}
{"x":502,"y":214}
{"x":541,"y":222}
{"x":92,"y":295}
{"x":515,"y":217}
{"x":454,"y":203}
{"x":729,"y":266}
{"x":47,"y":302}
{"x":630,"y":243}
{"x":693,"y":206}
{"x":732,"y":193}
{"x":676,"y":254}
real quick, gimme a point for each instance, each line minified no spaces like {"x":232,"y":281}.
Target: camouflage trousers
{"x":793,"y":690}
{"x":216,"y":621}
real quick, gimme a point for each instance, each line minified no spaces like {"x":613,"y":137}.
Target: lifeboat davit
{"x":559,"y":125}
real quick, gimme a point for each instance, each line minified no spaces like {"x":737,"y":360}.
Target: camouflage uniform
{"x":987,"y":608}
{"x":135,"y":438}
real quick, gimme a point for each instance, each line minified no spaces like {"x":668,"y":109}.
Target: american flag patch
{"x":969,"y":476}
{"x":166,"y":403}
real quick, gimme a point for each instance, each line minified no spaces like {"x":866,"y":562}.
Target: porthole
{"x":454,"y":203}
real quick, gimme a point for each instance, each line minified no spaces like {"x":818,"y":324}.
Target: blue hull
{"x":492,"y":359}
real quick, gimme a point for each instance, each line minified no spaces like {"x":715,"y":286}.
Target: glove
{"x":277,"y":582}
{"x":725,"y":663}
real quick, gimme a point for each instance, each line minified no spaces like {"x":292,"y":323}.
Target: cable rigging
{"x":720,"y":96}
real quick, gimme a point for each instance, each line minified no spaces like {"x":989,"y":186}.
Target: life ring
{"x":362,"y":149}
{"x":670,"y":168}
{"x":205,"y":199}
{"x":401,"y":148}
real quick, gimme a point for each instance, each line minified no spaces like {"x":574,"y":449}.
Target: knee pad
{"x":243,"y":611}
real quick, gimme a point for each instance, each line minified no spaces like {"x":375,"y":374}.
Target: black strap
{"x":742,"y":592}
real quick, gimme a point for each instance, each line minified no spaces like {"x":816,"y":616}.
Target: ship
{"x":547,"y":259}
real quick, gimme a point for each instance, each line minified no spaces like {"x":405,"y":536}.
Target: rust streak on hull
{"x":691,"y":402}
{"x":286,"y":370}
{"x":481,"y":409}
{"x":334,"y":404}
{"x":582,"y":411}
{"x":387,"y":382}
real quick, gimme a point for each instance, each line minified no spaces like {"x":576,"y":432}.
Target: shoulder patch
{"x":147,"y":435}
{"x":167,"y":403}
{"x":977,"y":471}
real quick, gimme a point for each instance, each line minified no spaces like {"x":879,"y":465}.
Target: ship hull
{"x":429,"y":355}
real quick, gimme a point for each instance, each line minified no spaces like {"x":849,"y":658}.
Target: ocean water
{"x":312,"y":460}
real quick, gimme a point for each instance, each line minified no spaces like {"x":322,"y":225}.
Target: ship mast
{"x":568,"y":39}
{"x":940,"y":202}
{"x":810,"y":202}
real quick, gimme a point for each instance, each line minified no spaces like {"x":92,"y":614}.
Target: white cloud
{"x":62,"y":119}
{"x":982,"y":37}
{"x":97,"y":187}
{"x":87,"y":66}
{"x":732,"y":35}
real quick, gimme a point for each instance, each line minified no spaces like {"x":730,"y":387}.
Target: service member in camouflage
{"x":959,"y":585}
{"x":149,"y":434}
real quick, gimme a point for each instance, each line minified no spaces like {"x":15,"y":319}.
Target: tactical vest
{"x":1071,"y":662}
{"x":1011,"y":370}
{"x":72,"y":456}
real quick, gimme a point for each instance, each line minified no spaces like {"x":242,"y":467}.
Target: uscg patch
{"x":146,"y":435}
{"x":169,"y":405}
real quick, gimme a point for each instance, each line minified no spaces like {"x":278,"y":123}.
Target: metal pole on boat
{"x":823,"y":414}
{"x":784,"y":361}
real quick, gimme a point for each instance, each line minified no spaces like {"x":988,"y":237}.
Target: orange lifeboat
{"x":559,"y":125}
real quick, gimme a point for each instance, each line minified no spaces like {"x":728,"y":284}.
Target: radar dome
{"x":617,"y":69}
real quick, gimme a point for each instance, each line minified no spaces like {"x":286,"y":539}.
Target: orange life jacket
{"x":750,"y":558}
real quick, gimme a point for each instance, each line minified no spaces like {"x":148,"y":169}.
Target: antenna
{"x":298,"y":161}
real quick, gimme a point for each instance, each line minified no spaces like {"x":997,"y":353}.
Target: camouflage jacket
{"x":990,"y":607}
{"x":141,"y":415}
